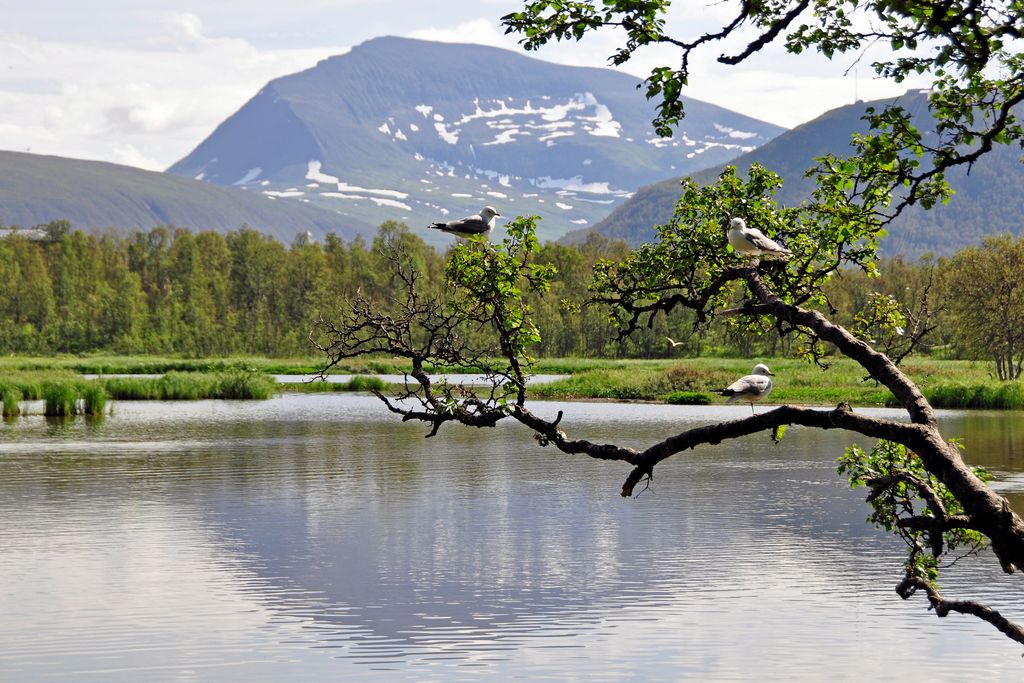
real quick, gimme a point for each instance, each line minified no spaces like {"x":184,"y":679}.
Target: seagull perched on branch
{"x":752,"y":242}
{"x":481,"y":224}
{"x":751,"y":387}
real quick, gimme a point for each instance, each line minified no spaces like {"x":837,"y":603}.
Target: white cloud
{"x":107,"y":102}
{"x":147,"y":82}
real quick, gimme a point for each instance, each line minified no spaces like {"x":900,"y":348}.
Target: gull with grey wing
{"x":752,"y":242}
{"x":753,"y":387}
{"x":480,"y":224}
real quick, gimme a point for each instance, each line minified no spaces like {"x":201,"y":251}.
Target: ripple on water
{"x":313,"y":536}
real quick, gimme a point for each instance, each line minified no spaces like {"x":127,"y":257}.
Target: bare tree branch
{"x":942,"y":606}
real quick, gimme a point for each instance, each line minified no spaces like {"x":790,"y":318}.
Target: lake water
{"x":316,"y":537}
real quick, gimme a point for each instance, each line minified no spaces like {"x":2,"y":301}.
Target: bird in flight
{"x":752,"y":242}
{"x":480,"y":224}
{"x":673,"y":342}
{"x":751,"y":387}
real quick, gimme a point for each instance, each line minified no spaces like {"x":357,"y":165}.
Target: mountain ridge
{"x":987,"y":198}
{"x":415,"y":131}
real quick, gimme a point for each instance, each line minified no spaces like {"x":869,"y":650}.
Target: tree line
{"x":173,"y":291}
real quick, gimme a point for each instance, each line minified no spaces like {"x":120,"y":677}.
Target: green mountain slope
{"x":92,"y":194}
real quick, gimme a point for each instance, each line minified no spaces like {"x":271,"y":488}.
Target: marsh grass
{"x":365,"y":383}
{"x":947,"y":383}
{"x":993,"y":396}
{"x":156,"y":365}
{"x":94,"y":398}
{"x":191,"y":386}
{"x":59,"y":398}
{"x":357,"y":383}
{"x":10,"y":400}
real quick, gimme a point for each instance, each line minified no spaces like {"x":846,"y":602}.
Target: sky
{"x":143,"y":83}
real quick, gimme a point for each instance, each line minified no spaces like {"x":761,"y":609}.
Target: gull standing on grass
{"x":481,"y":224}
{"x":752,"y":242}
{"x":752,"y":387}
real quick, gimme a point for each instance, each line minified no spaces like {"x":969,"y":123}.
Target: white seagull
{"x":480,"y":224}
{"x":752,"y":242}
{"x":751,"y":387}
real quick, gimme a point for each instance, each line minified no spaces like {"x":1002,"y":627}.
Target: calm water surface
{"x":315,"y":537}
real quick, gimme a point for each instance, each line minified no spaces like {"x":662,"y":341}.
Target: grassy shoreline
{"x":947,"y":384}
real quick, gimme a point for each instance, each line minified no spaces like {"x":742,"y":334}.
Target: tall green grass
{"x":994,"y":396}
{"x":59,"y":398}
{"x":357,"y":383}
{"x":94,"y":399}
{"x":190,"y":386}
{"x":119,"y":365}
{"x":10,"y":398}
{"x":946,"y":383}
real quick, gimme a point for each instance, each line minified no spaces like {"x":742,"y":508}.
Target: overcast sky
{"x":143,"y":82}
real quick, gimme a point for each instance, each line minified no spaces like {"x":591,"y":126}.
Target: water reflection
{"x":315,"y":536}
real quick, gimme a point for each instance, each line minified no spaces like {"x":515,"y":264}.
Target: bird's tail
{"x":730,"y":393}
{"x":437,"y":226}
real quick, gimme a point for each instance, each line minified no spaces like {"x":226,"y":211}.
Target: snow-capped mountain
{"x":418,"y":131}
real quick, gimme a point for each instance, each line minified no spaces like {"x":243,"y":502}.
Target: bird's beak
{"x":771,"y":373}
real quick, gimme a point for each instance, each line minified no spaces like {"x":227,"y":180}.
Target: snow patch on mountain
{"x":506,"y":136}
{"x":509,"y":121}
{"x":250,"y":175}
{"x":284,"y":193}
{"x":451,"y":137}
{"x":382,"y":201}
{"x":575,"y":184}
{"x":733,"y":133}
{"x":314,"y":173}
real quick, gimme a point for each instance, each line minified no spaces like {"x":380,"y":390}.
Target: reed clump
{"x":365,"y":383}
{"x":191,"y":386}
{"x":94,"y":399}
{"x":10,"y":400}
{"x":59,"y":398}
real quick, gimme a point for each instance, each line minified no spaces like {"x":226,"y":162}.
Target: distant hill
{"x":415,"y":131}
{"x":987,"y":201}
{"x":92,"y":194}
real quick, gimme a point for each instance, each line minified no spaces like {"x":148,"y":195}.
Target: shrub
{"x":688,"y":398}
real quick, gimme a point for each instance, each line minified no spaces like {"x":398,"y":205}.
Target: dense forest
{"x":172,"y":291}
